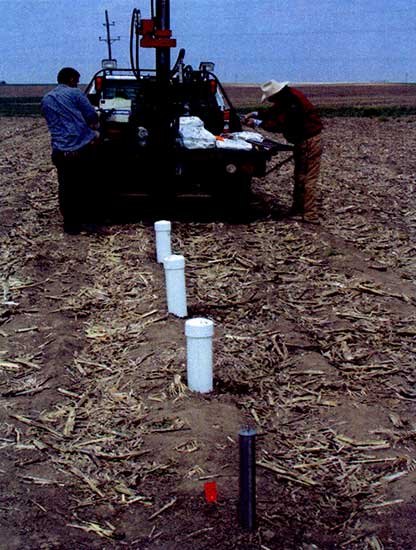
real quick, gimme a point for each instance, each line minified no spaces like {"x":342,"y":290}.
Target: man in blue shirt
{"x":72,"y":123}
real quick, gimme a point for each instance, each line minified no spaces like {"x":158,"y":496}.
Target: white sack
{"x":193,"y":121}
{"x":253,"y":136}
{"x":194,"y":135}
{"x":236,"y":144}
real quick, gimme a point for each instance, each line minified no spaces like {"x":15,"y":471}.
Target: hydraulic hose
{"x":178,"y":62}
{"x":134,"y":42}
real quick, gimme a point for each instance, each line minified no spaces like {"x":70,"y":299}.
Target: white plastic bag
{"x":194,"y":135}
{"x":236,"y":144}
{"x":252,"y":136}
{"x":190,"y":121}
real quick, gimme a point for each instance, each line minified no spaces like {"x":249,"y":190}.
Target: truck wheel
{"x":237,"y":197}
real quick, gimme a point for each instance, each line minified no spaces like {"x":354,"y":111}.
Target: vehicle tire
{"x":236,"y":198}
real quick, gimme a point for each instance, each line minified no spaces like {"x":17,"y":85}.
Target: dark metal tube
{"x":163,"y":13}
{"x":163,"y":54}
{"x":247,"y":501}
{"x":162,"y":138}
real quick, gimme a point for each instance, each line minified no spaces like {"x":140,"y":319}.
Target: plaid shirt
{"x":296,"y":118}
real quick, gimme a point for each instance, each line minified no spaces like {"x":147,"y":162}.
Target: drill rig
{"x":145,"y":112}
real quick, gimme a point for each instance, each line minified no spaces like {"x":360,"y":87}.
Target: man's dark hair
{"x":66,"y":74}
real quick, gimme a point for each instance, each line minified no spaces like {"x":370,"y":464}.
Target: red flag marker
{"x":210,"y":488}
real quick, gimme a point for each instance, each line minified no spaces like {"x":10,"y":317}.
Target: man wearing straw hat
{"x":293,"y":115}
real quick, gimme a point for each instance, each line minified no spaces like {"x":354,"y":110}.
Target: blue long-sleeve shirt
{"x":69,"y":115}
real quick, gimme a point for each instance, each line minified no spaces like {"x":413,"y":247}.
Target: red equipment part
{"x":155,"y":38}
{"x":99,"y":83}
{"x":226,"y":115}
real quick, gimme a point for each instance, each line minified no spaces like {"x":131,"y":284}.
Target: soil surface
{"x":337,"y":94}
{"x":102,"y":445}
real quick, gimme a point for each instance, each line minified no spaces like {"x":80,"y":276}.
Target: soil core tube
{"x":175,"y":284}
{"x":199,"y":333}
{"x":247,"y":501}
{"x":163,"y":246}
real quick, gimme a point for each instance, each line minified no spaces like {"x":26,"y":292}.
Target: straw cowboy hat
{"x":270,"y":88}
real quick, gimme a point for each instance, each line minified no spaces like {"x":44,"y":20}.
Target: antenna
{"x":109,"y":40}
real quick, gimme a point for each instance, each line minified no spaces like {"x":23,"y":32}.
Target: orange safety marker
{"x":210,"y":489}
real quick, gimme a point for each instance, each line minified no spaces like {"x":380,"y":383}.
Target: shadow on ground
{"x":195,"y":209}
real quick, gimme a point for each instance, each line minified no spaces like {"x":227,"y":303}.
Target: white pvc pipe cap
{"x":162,"y":225}
{"x":163,"y":246}
{"x":199,"y":328}
{"x":174,"y":261}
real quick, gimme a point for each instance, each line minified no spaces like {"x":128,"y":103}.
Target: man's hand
{"x":251,"y":120}
{"x":248,"y":116}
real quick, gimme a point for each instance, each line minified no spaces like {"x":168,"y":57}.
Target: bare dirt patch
{"x":102,"y":446}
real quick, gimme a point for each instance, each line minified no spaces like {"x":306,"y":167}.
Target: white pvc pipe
{"x":163,"y":247}
{"x":175,"y":284}
{"x":199,"y":333}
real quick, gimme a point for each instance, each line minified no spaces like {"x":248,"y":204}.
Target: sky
{"x":250,"y":41}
